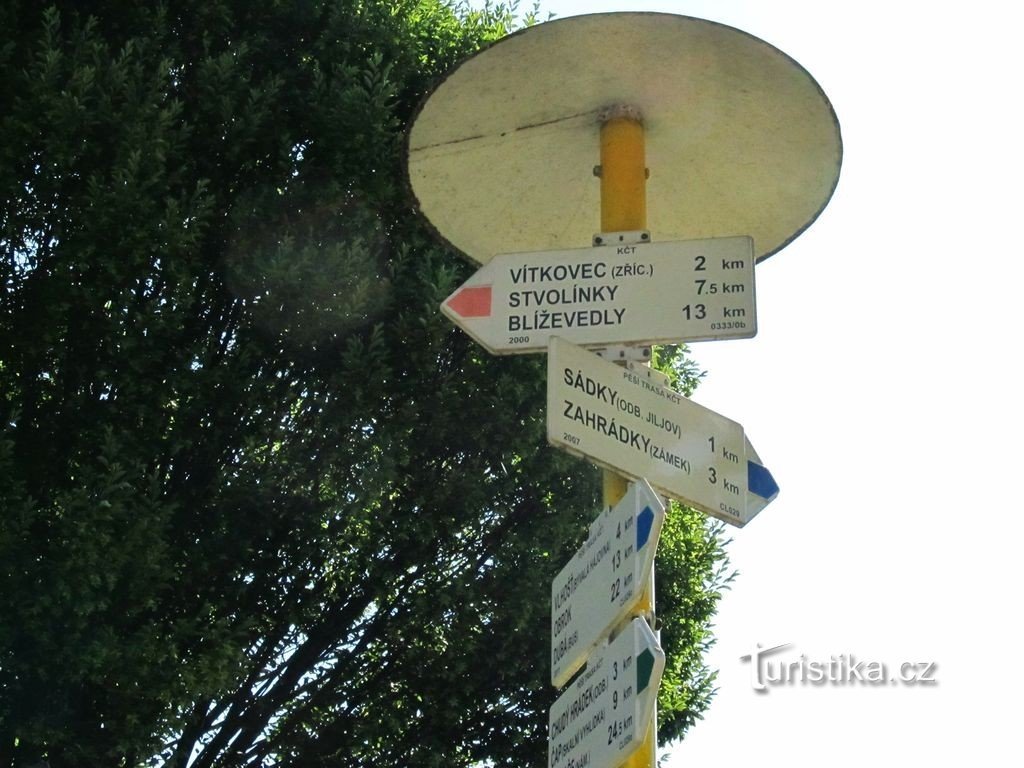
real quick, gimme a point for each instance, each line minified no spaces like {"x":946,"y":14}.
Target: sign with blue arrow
{"x":622,"y":421}
{"x":604,"y":581}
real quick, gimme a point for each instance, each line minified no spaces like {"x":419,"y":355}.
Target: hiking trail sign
{"x":644,"y":293}
{"x":602,"y":718}
{"x":604,"y":581}
{"x":622,"y":421}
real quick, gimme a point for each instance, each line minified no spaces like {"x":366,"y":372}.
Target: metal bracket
{"x":622,"y":354}
{"x":636,"y":358}
{"x":633,"y":237}
{"x":652,"y":375}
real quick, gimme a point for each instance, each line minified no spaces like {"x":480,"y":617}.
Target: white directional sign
{"x":601,"y":719}
{"x":649,"y":293}
{"x":622,"y":421}
{"x":605,"y":579}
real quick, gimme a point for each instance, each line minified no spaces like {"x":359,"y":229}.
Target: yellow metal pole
{"x":624,"y":209}
{"x":623,"y":204}
{"x":623,"y":171}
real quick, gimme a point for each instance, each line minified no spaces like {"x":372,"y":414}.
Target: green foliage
{"x":683,"y":372}
{"x":692,"y":551}
{"x":259,"y":502}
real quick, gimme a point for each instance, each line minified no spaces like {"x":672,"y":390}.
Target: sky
{"x":882,"y":391}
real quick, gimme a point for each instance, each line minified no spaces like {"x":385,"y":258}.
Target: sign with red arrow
{"x":648,"y":293}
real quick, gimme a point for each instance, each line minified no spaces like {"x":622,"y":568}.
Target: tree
{"x":261,"y":504}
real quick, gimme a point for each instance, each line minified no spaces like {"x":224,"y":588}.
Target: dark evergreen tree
{"x":260,"y":503}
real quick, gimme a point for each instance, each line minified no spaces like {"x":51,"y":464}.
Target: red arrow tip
{"x":472,"y":302}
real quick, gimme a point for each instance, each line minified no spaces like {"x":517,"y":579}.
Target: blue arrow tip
{"x":644,"y":521}
{"x":760,"y":481}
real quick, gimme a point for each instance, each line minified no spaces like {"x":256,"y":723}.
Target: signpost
{"x":602,"y":718}
{"x":625,"y":422}
{"x":648,"y":293}
{"x":502,"y":157}
{"x":604,"y":581}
